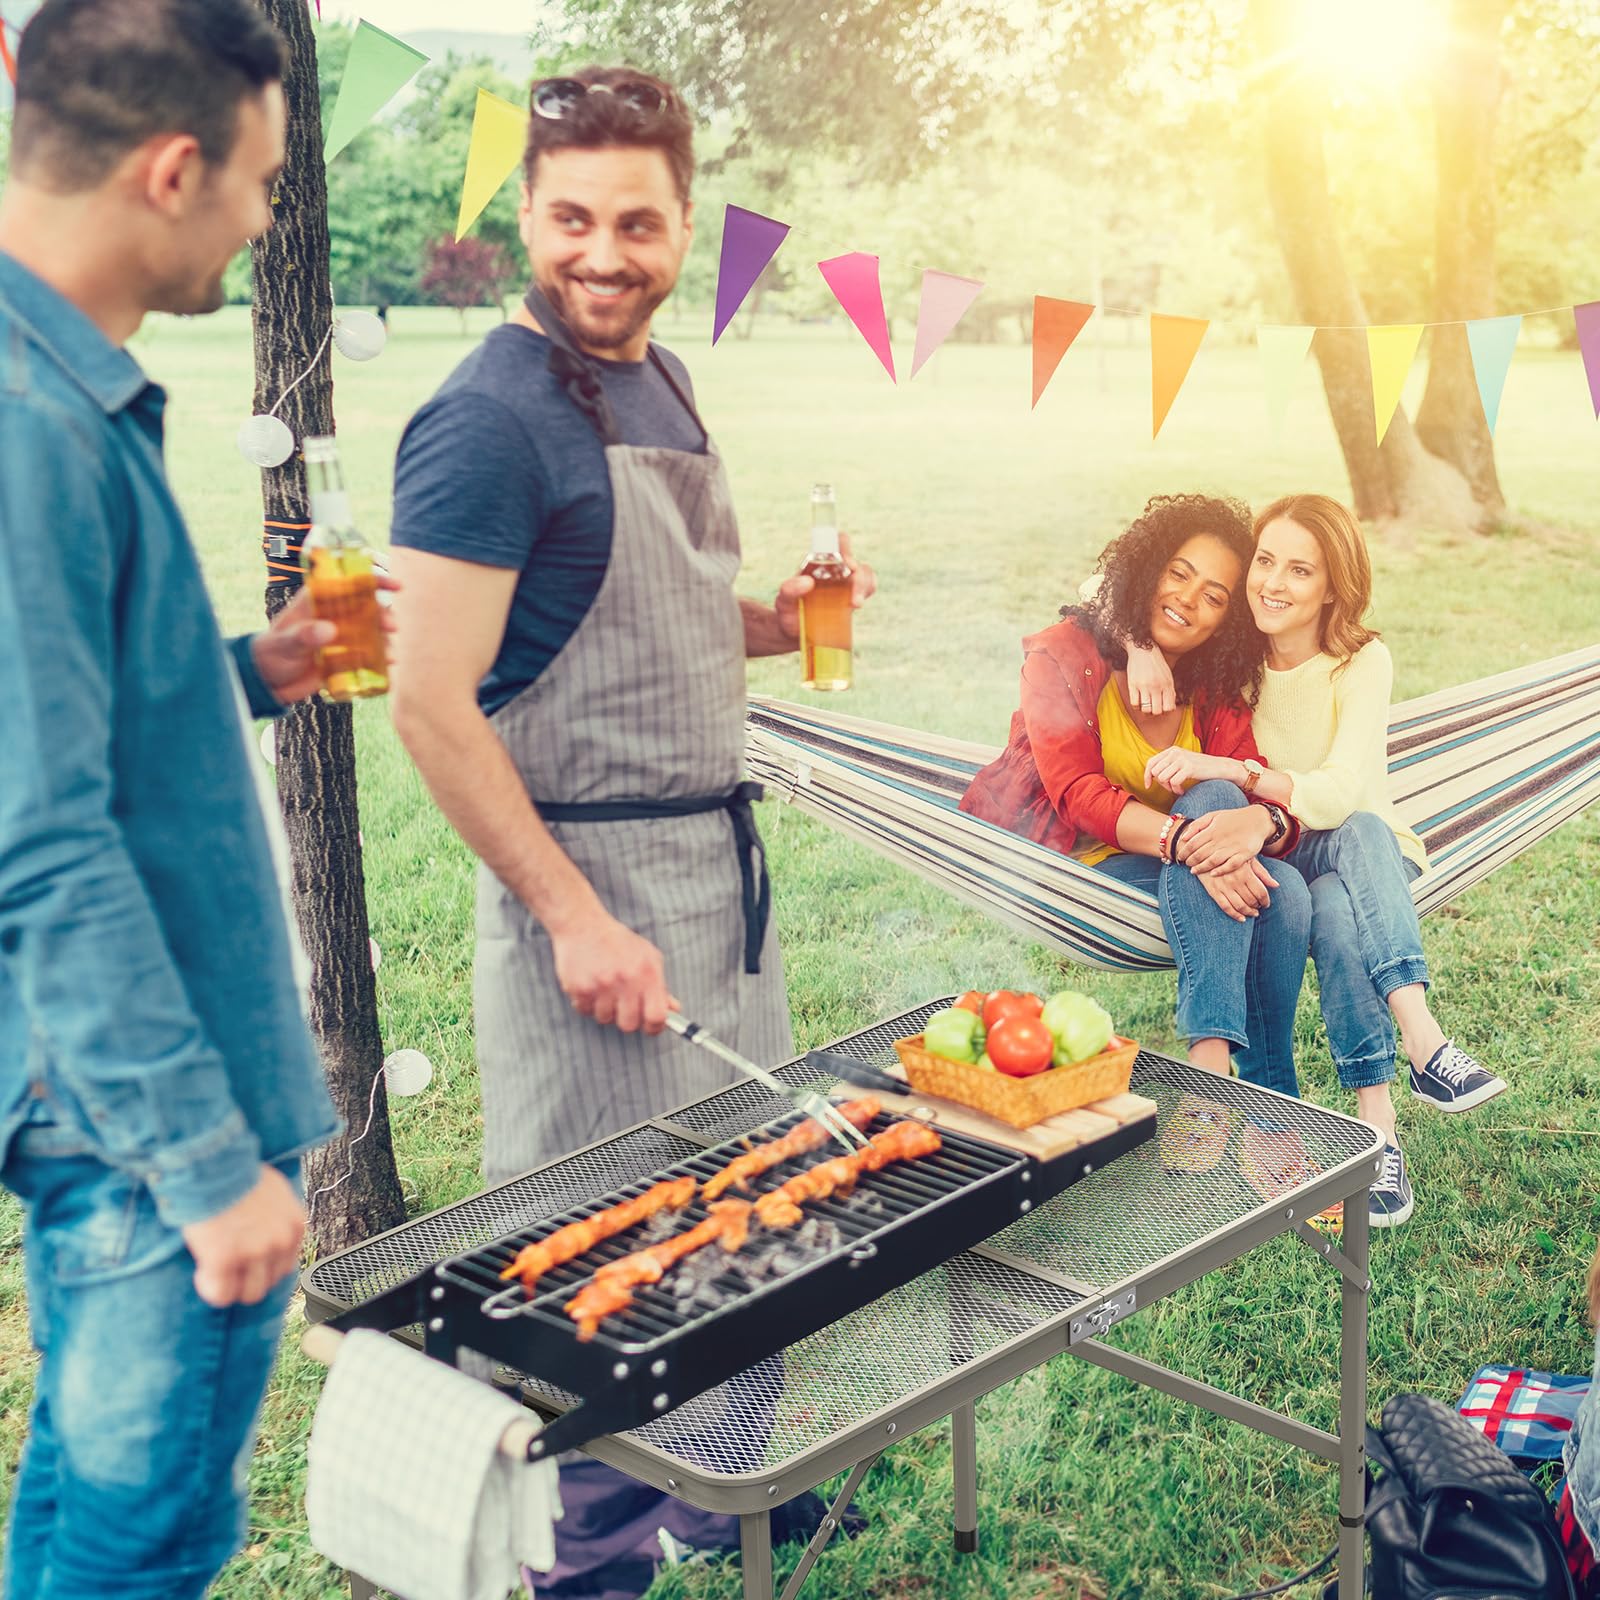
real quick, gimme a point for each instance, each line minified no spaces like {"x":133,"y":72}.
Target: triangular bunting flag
{"x":749,"y":242}
{"x":376,"y":69}
{"x":5,"y":52}
{"x":1390,"y":351}
{"x":945,"y":299}
{"x":1173,"y":343}
{"x":854,"y":281}
{"x":1587,"y":318}
{"x":1283,"y":353}
{"x":499,"y":131}
{"x":1491,"y":340}
{"x":1056,"y":323}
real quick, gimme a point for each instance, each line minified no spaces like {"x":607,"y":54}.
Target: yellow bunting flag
{"x":1173,"y":343}
{"x":1283,"y":353}
{"x":1390,"y":350}
{"x":499,"y":131}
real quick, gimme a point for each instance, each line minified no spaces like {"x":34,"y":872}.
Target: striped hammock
{"x":1481,"y":772}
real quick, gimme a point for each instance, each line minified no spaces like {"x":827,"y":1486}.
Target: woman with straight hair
{"x":1321,"y":721}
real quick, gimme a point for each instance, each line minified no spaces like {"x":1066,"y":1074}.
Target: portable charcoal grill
{"x":716,"y":1314}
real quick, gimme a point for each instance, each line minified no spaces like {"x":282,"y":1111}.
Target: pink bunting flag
{"x":749,"y":242}
{"x":1588,"y":319}
{"x":854,"y":281}
{"x":945,"y":299}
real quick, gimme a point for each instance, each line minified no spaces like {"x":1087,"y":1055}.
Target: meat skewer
{"x":900,"y":1141}
{"x":611,"y":1289}
{"x":807,"y":1135}
{"x":577,"y":1238}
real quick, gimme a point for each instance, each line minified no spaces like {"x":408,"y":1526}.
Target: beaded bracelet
{"x":1162,"y":837}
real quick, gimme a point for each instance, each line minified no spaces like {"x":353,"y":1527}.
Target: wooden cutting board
{"x":1044,"y":1140}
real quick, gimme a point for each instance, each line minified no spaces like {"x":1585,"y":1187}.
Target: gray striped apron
{"x":640,"y":713}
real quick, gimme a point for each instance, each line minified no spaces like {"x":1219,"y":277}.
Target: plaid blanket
{"x":1527,"y":1414}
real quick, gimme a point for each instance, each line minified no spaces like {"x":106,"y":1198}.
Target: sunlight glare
{"x":1372,"y":42}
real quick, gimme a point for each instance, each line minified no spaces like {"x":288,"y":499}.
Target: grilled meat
{"x":900,"y":1141}
{"x":808,"y":1135}
{"x":611,"y":1289}
{"x":577,"y":1238}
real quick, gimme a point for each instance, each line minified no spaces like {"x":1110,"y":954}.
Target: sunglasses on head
{"x":556,"y":98}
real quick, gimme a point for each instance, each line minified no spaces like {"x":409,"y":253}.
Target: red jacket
{"x":1050,"y":783}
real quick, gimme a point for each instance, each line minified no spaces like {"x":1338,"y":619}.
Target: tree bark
{"x":1468,"y":85}
{"x":1399,"y":479}
{"x":316,"y":767}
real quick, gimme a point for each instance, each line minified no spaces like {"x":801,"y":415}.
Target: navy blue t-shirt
{"x":501,"y":468}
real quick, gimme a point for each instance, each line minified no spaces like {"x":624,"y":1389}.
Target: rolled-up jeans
{"x":1365,"y":939}
{"x":133,"y":1479}
{"x":1237,"y":981}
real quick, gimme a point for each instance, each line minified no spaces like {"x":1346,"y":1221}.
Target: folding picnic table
{"x":1050,"y":1284}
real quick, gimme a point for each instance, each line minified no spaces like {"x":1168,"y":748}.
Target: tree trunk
{"x":1467,"y":89}
{"x":1400,"y":479}
{"x":316,"y":765}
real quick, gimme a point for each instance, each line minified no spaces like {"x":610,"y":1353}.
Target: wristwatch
{"x":1280,"y":825}
{"x":1252,"y":774}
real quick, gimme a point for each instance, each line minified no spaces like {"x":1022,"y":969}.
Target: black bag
{"x":1451,"y":1518}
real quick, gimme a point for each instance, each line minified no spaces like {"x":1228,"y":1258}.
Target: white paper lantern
{"x":407,"y":1072}
{"x":359,"y":335}
{"x":265,"y":441}
{"x":269,"y":745}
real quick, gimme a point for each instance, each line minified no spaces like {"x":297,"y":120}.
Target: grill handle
{"x":850,"y":1070}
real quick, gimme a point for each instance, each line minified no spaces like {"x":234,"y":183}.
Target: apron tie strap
{"x":754,"y":880}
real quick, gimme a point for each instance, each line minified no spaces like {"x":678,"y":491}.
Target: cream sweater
{"x":1328,"y":730}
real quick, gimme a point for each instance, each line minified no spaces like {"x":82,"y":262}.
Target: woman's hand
{"x":1150,"y":681}
{"x":1222,"y":841}
{"x":1175,"y":770}
{"x":1241,"y":892}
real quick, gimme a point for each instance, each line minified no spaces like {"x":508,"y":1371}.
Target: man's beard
{"x":606,"y":335}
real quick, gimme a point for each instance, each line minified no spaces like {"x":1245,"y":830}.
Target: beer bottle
{"x":825,"y":613}
{"x":338,"y":566}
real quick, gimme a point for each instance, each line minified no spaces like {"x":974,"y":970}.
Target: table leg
{"x":755,"y":1554}
{"x":964,"y":1459}
{"x":1353,"y":1404}
{"x":360,"y":1589}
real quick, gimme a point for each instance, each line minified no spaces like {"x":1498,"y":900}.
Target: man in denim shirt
{"x":157,"y":1081}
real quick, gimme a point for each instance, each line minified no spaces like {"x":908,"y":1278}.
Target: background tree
{"x":465,"y":272}
{"x":316,"y":768}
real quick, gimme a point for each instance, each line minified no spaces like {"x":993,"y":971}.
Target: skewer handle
{"x":323,"y":1344}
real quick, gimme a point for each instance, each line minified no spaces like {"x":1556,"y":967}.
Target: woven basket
{"x":1020,"y":1101}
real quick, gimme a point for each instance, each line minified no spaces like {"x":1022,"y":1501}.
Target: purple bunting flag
{"x":1588,"y":319}
{"x":749,"y":242}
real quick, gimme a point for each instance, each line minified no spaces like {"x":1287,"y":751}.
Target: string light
{"x":406,"y":1072}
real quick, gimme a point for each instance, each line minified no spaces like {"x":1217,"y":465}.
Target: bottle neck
{"x":330,"y":508}
{"x":824,"y":539}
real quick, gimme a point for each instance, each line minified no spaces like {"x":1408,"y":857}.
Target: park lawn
{"x":980,"y":518}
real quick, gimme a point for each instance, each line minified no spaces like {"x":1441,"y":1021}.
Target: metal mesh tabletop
{"x":795,"y":1415}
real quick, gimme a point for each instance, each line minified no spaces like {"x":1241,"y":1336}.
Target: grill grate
{"x":880,"y":1201}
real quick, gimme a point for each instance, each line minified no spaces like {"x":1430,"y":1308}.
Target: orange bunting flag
{"x":1056,"y":323}
{"x":1173,"y":344}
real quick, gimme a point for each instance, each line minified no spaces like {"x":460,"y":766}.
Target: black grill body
{"x":896,"y":1224}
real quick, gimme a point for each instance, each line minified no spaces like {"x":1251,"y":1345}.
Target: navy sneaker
{"x":1391,"y":1201}
{"x":1452,"y":1081}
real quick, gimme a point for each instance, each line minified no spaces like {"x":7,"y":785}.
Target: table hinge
{"x":1092,"y":1323}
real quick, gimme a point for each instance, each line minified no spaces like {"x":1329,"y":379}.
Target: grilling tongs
{"x":812,"y":1101}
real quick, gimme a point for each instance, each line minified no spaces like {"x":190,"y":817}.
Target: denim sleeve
{"x":80,"y":940}
{"x":262,"y":701}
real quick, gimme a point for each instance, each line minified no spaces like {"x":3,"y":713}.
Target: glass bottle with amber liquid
{"x":339,"y":572}
{"x":825,"y":613}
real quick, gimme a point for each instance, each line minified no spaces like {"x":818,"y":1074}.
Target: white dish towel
{"x":406,"y":1484}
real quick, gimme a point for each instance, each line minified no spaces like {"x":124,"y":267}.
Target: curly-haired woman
{"x":1322,"y":719}
{"x":1072,"y":777}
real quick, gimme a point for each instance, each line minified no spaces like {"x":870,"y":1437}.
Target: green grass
{"x":980,"y":517}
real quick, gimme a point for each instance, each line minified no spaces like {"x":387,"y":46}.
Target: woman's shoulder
{"x":1069,"y":640}
{"x":1371,"y":664}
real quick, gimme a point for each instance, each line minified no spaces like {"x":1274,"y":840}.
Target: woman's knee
{"x":1215,"y":794}
{"x":1291,"y":902}
{"x":1368,"y":831}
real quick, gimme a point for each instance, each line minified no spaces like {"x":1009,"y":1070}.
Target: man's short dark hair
{"x":96,"y":78}
{"x":597,"y":121}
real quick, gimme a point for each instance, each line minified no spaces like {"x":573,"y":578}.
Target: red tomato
{"x":1020,"y":1046}
{"x":1006,"y":1003}
{"x":972,"y":1001}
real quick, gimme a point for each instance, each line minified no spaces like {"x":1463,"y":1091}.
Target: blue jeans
{"x":1237,"y":981}
{"x":132,"y":1481}
{"x":1365,"y":939}
{"x":1581,"y":1455}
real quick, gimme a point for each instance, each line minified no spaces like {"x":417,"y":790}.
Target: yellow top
{"x":1125,"y":751}
{"x":1329,"y":732}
